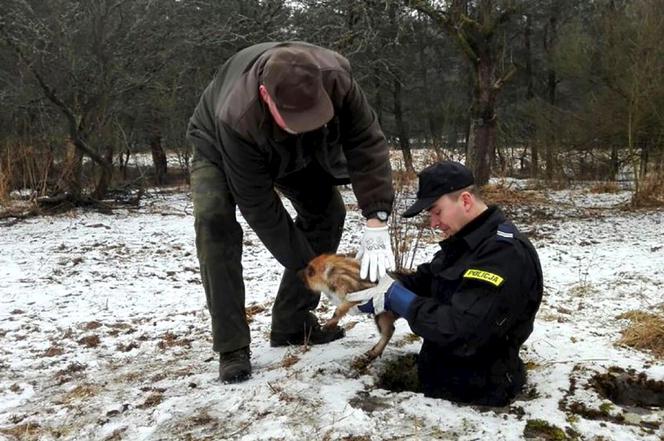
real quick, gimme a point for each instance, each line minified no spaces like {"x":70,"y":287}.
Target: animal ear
{"x":329,"y":271}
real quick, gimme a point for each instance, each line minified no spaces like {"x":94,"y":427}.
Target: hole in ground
{"x":400,"y":374}
{"x":629,"y":388}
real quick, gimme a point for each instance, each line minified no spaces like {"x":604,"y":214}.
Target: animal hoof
{"x":362,"y":362}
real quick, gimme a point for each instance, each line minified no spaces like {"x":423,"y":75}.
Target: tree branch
{"x":447,"y":24}
{"x":500,"y":82}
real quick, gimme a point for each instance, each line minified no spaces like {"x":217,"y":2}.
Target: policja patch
{"x":485,"y":276}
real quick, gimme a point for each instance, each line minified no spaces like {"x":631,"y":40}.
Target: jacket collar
{"x":477,"y":230}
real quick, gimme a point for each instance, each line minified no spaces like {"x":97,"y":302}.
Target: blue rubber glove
{"x":388,"y":295}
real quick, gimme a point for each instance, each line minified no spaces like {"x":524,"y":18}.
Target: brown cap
{"x":293,"y":79}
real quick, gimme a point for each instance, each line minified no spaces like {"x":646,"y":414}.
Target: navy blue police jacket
{"x":476,"y":305}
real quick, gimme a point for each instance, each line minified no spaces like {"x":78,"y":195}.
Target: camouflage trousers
{"x":320,"y":216}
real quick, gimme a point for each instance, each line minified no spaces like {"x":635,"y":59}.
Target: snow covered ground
{"x":104,"y":335}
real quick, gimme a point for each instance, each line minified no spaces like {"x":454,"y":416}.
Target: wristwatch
{"x":380,"y":215}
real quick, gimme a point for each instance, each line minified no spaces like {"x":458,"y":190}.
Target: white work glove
{"x":375,"y":253}
{"x":372,"y":299}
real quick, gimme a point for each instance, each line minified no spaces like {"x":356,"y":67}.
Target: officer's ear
{"x":467,"y":200}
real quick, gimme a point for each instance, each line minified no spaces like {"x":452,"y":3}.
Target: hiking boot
{"x":314,"y":335}
{"x":234,"y":366}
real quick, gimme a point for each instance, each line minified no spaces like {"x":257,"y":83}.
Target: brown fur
{"x":337,"y":275}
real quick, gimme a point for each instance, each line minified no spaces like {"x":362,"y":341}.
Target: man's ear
{"x":467,"y":200}
{"x":262,"y":90}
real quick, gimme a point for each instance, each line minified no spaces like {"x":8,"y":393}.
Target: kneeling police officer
{"x":474,"y":304}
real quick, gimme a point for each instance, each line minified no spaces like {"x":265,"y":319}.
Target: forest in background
{"x":556,"y":90}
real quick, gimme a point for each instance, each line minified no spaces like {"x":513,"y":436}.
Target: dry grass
{"x":90,"y":341}
{"x":402,"y":177}
{"x":154,"y":399}
{"x":53,"y":351}
{"x":4,"y":183}
{"x":24,"y":166}
{"x":289,"y":360}
{"x":170,"y":340}
{"x":645,"y":331}
{"x":79,"y":393}
{"x":605,"y":187}
{"x":91,"y":325}
{"x":405,"y":234}
{"x":503,"y":194}
{"x":252,"y":310}
{"x":650,"y":194}
{"x":25,"y":431}
{"x":407,"y":339}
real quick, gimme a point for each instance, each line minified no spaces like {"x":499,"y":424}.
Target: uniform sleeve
{"x":253,"y":189}
{"x":420,"y":282}
{"x":367,"y":152}
{"x":490,"y":298}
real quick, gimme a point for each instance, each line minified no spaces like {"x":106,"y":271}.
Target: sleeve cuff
{"x":399,"y":299}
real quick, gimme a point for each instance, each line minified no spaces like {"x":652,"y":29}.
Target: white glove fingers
{"x":361,"y":296}
{"x":380,"y":264}
{"x":389,"y":260}
{"x":379,"y":304}
{"x":373,"y":267}
{"x":364,"y":267}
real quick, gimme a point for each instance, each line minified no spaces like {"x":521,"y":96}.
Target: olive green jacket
{"x":233,"y":128}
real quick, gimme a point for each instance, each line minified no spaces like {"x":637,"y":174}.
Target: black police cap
{"x":437,"y":180}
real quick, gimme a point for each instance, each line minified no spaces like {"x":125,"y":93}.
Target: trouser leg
{"x":219,"y":249}
{"x":320,"y":216}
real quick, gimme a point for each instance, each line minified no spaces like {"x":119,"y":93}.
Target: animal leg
{"x":341,"y":311}
{"x":385,"y":323}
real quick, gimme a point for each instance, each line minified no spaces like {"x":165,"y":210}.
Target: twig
{"x":241,"y":429}
{"x":574,"y":360}
{"x":272,"y":387}
{"x":416,"y":435}
{"x":307,"y":338}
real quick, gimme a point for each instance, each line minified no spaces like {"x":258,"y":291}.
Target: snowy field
{"x":104,"y":335}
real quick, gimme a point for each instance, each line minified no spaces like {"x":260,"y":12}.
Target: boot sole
{"x":236,"y":378}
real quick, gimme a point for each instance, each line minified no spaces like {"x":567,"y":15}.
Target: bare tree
{"x":83,"y":57}
{"x":474,"y":26}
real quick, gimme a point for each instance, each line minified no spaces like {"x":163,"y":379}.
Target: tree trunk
{"x":551,"y":84}
{"x":530,"y":84}
{"x":402,"y":129}
{"x":105,"y":166}
{"x":378,"y":97}
{"x":484,"y":121}
{"x":549,"y":158}
{"x":158,"y":157}
{"x":432,"y":124}
{"x":645,"y":157}
{"x":70,"y":175}
{"x":530,"y":92}
{"x":614,"y":164}
{"x":104,"y":181}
